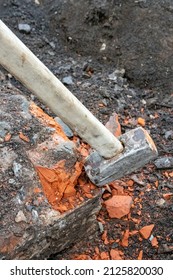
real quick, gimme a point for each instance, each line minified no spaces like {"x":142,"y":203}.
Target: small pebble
{"x":51,"y":53}
{"x":168,"y":134}
{"x":101,"y":228}
{"x":34,"y":214}
{"x":160,"y":202}
{"x":52,"y":44}
{"x":24,"y":27}
{"x":164,"y":163}
{"x":103,"y":47}
{"x":67,"y":80}
{"x":20,"y":217}
{"x":11,"y":181}
{"x":4,"y":128}
{"x":17,"y":169}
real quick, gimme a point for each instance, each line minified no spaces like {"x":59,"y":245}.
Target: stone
{"x":11,"y":181}
{"x":34,"y":214}
{"x":7,"y":156}
{"x":104,"y":102}
{"x":168,"y":134}
{"x":164,"y":162}
{"x":137,"y":180}
{"x":120,"y":72}
{"x":20,"y":217}
{"x":101,"y":228}
{"x":113,"y":77}
{"x":113,"y":125}
{"x":161,"y":202}
{"x":117,"y":77}
{"x":17,"y":169}
{"x":4,"y":128}
{"x":24,"y":27}
{"x":51,"y":53}
{"x":105,"y":93}
{"x":103,"y":47}
{"x":52,"y":44}
{"x":67,"y":80}
{"x":118,"y":89}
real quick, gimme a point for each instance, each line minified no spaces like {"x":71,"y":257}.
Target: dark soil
{"x":88,"y":41}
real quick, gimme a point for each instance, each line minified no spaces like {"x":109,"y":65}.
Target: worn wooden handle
{"x":26,"y":67}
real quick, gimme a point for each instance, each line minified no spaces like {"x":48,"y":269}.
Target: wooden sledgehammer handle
{"x":26,"y":67}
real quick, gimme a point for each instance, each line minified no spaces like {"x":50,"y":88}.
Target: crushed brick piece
{"x":140,"y":256}
{"x":156,"y":183}
{"x":97,"y":250}
{"x":58,"y":182}
{"x":8,"y":244}
{"x":125,"y":239}
{"x":105,"y":237}
{"x":167,"y":196}
{"x":141,"y":121}
{"x":23,"y":137}
{"x":146,"y":231}
{"x":101,"y":220}
{"x":37,"y":190}
{"x":82,"y":257}
{"x":104,"y":256}
{"x":154,"y":242}
{"x":130,"y":183}
{"x":118,"y":206}
{"x":117,"y":188}
{"x":116,"y":254}
{"x":7,"y":137}
{"x":88,"y":195}
{"x":113,"y":125}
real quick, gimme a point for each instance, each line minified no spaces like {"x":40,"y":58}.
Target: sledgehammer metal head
{"x":138,"y":150}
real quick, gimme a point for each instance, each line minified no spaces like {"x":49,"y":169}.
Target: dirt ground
{"x":115,"y":56}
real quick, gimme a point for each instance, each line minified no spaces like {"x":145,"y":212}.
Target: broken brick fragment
{"x":154,"y":242}
{"x":141,"y":121}
{"x":118,"y":206}
{"x":146,"y":231}
{"x":104,"y":256}
{"x":8,"y":244}
{"x":23,"y":137}
{"x":58,"y":181}
{"x":125,"y":239}
{"x":167,"y":196}
{"x":113,"y":125}
{"x":140,"y":256}
{"x":117,"y":188}
{"x":82,"y":257}
{"x":116,"y":254}
{"x":7,"y":137}
{"x":105,"y":237}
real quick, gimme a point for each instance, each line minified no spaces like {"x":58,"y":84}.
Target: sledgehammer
{"x":112,"y":158}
